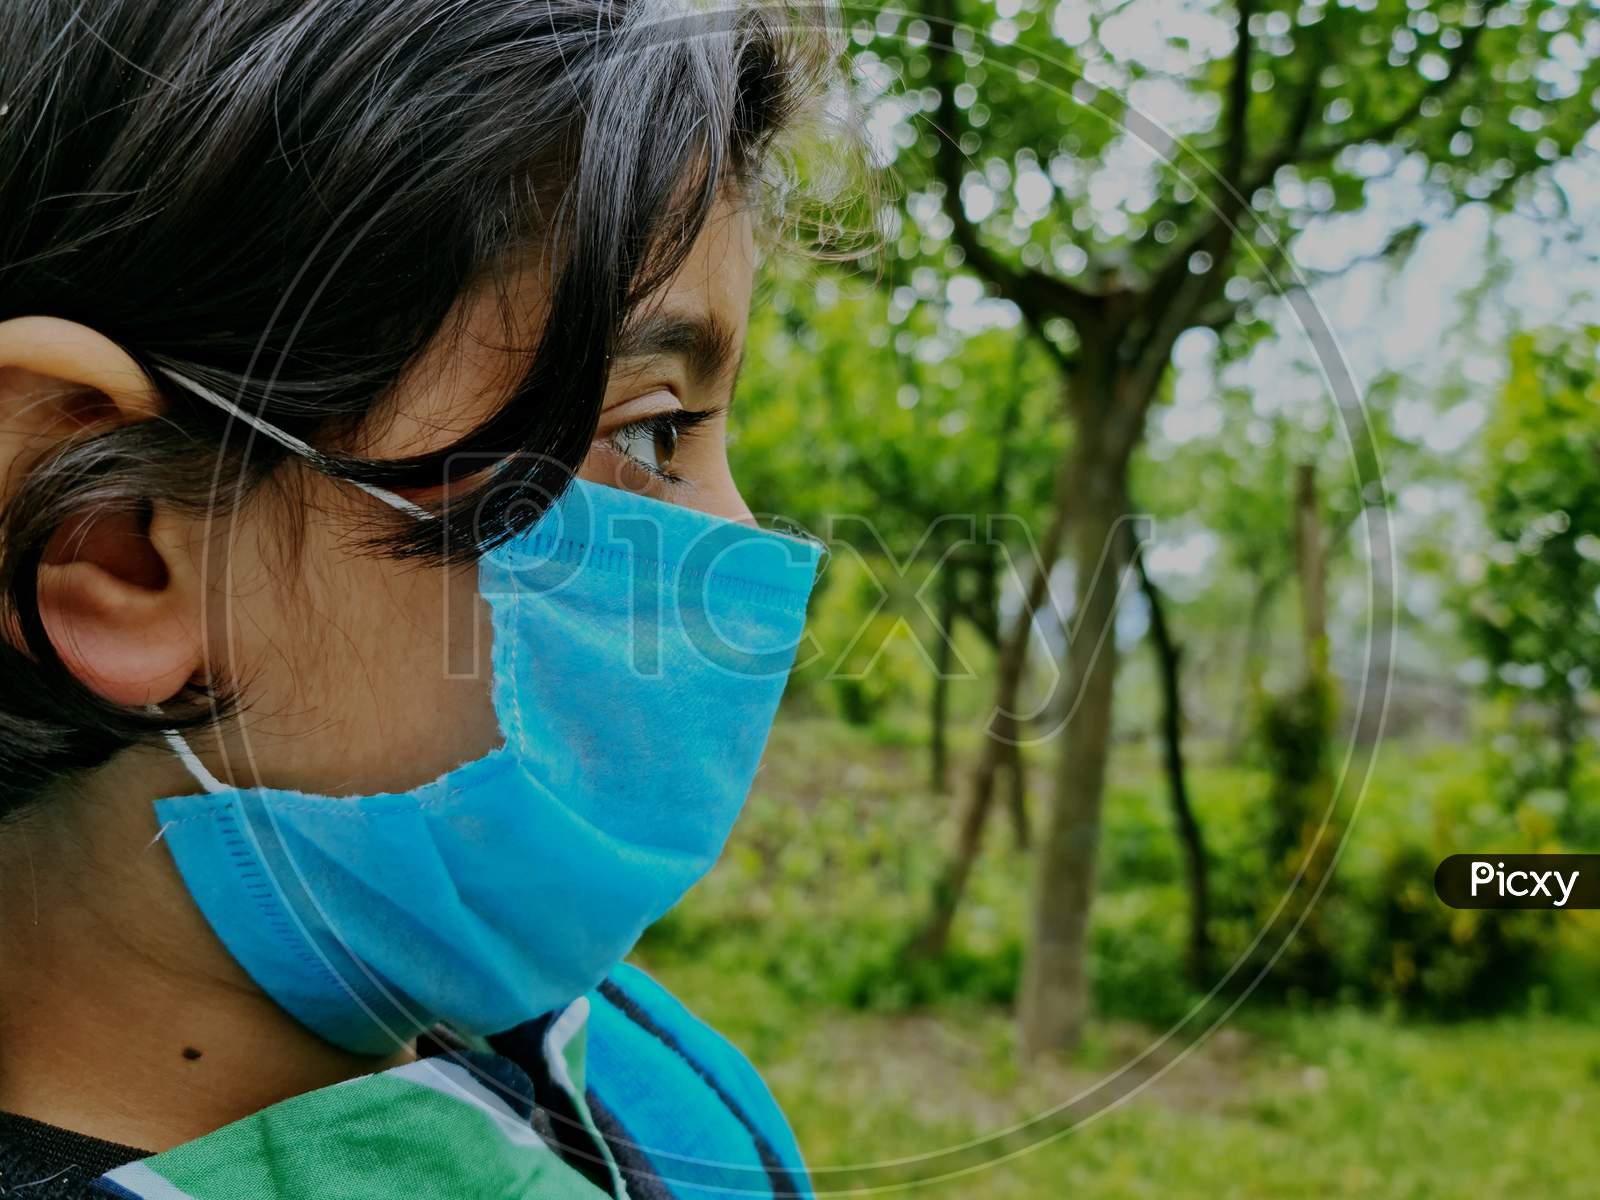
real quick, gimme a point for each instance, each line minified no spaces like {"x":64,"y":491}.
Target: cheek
{"x":362,"y":674}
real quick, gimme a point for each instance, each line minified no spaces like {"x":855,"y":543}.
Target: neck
{"x":121,"y":1015}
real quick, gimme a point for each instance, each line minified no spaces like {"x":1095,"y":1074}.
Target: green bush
{"x":830,"y":872}
{"x":860,"y":659}
{"x":1137,"y":947}
{"x":1440,"y":961}
{"x":1379,"y":935}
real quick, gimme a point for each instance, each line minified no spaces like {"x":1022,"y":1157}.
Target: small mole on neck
{"x":191,"y":1053}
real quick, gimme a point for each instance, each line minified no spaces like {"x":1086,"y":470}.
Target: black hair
{"x":282,"y":200}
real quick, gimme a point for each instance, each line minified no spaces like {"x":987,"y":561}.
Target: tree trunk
{"x":998,"y":747}
{"x":939,"y":716}
{"x":1053,"y":999}
{"x":1169,"y":656}
{"x":1249,"y":666}
{"x":1311,"y":562}
{"x":1017,"y":793}
{"x":934,"y":936}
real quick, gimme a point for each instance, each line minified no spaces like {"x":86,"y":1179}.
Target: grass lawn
{"x":1336,"y":1103}
{"x":1276,"y":1103}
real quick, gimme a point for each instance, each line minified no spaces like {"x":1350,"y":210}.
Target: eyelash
{"x":680,"y":421}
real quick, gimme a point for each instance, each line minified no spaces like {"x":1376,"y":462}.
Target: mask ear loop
{"x":191,"y":760}
{"x":289,"y":442}
{"x":175,"y":740}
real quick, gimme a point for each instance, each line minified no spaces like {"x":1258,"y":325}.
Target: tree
{"x":1288,"y":111}
{"x":898,"y":479}
{"x":1534,"y":608}
{"x":1169,"y":656}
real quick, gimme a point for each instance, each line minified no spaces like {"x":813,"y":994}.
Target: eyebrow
{"x":704,"y":343}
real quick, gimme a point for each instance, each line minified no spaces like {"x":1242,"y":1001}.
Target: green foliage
{"x":832,"y":865}
{"x":1533,"y":598}
{"x":893,"y":404}
{"x":864,"y":658}
{"x":1299,"y":828}
{"x":1379,"y":935}
{"x":1440,"y":962}
{"x":825,"y":876}
{"x":1065,"y":166}
{"x":1296,"y":734}
{"x":850,"y":407}
{"x":1132,"y":940}
{"x":789,"y":948}
{"x":1526,"y":766}
{"x":907,"y":444}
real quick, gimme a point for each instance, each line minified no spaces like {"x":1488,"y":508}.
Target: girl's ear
{"x":119,"y":591}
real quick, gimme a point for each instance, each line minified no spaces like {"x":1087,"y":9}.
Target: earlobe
{"x":121,"y":611}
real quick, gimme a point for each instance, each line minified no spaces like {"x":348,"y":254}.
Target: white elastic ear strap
{"x":192,"y":761}
{"x":289,"y":442}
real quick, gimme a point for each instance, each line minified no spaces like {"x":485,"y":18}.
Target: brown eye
{"x":651,"y":443}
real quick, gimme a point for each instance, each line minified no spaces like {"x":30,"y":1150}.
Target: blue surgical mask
{"x":639,"y":652}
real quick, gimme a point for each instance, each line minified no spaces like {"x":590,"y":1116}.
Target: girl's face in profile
{"x":234,"y":227}
{"x":340,"y":655}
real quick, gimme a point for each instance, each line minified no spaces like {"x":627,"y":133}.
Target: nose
{"x":726,"y":500}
